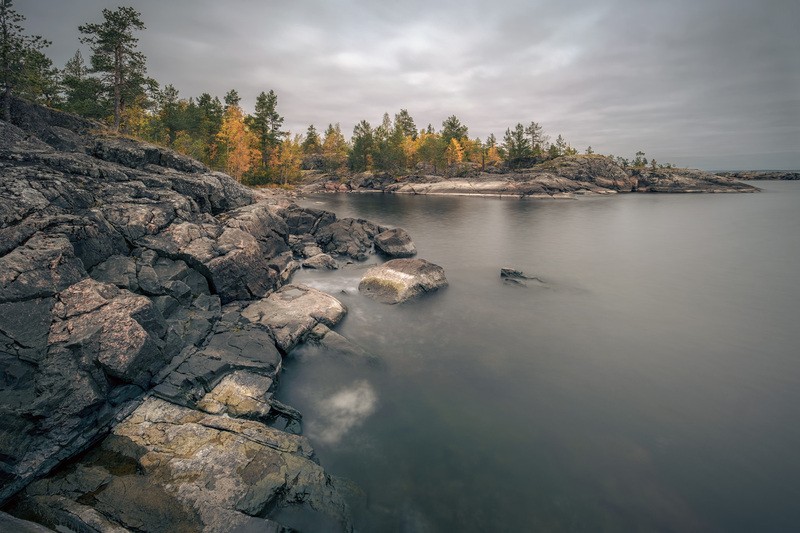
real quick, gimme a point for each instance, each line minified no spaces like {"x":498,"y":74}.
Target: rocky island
{"x":565,"y":177}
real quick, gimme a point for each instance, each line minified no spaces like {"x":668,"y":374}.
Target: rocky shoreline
{"x":754,"y":175}
{"x":562,"y":178}
{"x":144,"y":313}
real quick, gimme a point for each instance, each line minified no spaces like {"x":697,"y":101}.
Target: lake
{"x":651,"y":383}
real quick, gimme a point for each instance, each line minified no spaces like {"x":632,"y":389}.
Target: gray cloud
{"x":713,"y":84}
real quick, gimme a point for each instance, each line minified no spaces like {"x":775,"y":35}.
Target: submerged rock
{"x":399,"y":280}
{"x":395,"y":243}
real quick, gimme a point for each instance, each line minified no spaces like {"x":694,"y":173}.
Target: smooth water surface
{"x":652,"y":383}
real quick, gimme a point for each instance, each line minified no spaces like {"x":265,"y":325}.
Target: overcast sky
{"x":713,"y":84}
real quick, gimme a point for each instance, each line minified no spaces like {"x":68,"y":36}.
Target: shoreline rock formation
{"x":144,"y":314}
{"x":563,"y":177}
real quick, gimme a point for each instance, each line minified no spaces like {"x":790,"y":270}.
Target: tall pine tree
{"x":115,"y":56}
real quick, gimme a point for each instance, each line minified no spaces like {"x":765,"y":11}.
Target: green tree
{"x":516,"y":145}
{"x":640,"y":160}
{"x":17,"y":53}
{"x":83,"y":94}
{"x":116,"y":57}
{"x":40,"y":79}
{"x":453,"y":129}
{"x":561,"y":145}
{"x":361,"y":153}
{"x":311,"y":143}
{"x":266,"y":124}
{"x":232,"y":98}
{"x":589,"y":151}
{"x":537,"y":137}
{"x":405,"y":124}
{"x":387,"y":146}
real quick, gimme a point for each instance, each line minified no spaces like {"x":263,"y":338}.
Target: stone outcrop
{"x":400,"y":280}
{"x":143,"y":316}
{"x":563,"y":177}
{"x":783,"y":175}
{"x":395,"y":243}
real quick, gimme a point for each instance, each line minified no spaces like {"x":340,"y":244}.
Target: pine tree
{"x":232,"y":98}
{"x":405,"y":123}
{"x":561,"y":145}
{"x":266,"y":123}
{"x":361,"y":154}
{"x":516,"y":145}
{"x":589,"y":151}
{"x":312,"y":144}
{"x":116,"y":58}
{"x":453,"y":129}
{"x":536,"y":134}
{"x":83,"y":94}
{"x":17,"y":52}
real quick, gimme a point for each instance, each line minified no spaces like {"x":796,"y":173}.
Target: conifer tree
{"x":516,"y":145}
{"x":266,"y":124}
{"x":116,"y":57}
{"x":452,"y":128}
{"x":17,"y":51}
{"x":405,"y":124}
{"x":232,"y":98}
{"x":83,"y":94}
{"x":312,"y":144}
{"x":361,"y":154}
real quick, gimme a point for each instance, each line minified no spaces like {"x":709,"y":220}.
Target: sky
{"x":712,"y":84}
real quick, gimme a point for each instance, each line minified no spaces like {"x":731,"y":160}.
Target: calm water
{"x":651,"y":384}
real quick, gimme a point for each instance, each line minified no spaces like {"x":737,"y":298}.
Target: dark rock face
{"x":400,"y":280}
{"x":348,"y":236}
{"x":395,"y":243}
{"x":139,"y":296}
{"x":672,"y":180}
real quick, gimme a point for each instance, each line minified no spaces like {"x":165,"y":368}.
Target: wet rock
{"x":293,"y":311}
{"x":321,"y":261}
{"x":348,"y":237}
{"x":11,"y":524}
{"x":400,"y":280}
{"x":395,"y":243}
{"x":169,"y":468}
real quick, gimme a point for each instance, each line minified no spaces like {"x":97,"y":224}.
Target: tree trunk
{"x":117,"y":87}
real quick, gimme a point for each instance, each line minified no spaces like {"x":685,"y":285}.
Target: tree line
{"x":114,"y":87}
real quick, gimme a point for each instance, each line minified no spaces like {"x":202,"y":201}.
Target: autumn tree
{"x":334,"y":148}
{"x":431,"y":150}
{"x":454,"y":153}
{"x":19,"y":54}
{"x":236,"y":144}
{"x":285,"y":160}
{"x":311,"y":143}
{"x":115,"y":56}
{"x":362,"y":143}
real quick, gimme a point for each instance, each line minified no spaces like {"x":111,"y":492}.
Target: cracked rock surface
{"x":143,"y":315}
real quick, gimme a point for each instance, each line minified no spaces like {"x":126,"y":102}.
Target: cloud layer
{"x":714,"y":84}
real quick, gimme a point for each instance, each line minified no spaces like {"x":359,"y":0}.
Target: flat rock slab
{"x":169,"y":468}
{"x":395,"y":243}
{"x":292,"y":312}
{"x":400,"y":280}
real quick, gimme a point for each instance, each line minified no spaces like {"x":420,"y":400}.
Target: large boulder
{"x":348,"y":237}
{"x":399,"y":280}
{"x":290,"y":313}
{"x":395,"y":243}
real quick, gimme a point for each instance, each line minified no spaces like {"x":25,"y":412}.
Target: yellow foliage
{"x":493,"y":156}
{"x":454,"y":153}
{"x":236,"y":144}
{"x":285,"y":161}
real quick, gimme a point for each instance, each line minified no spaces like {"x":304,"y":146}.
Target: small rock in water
{"x":395,"y":243}
{"x":512,"y":276}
